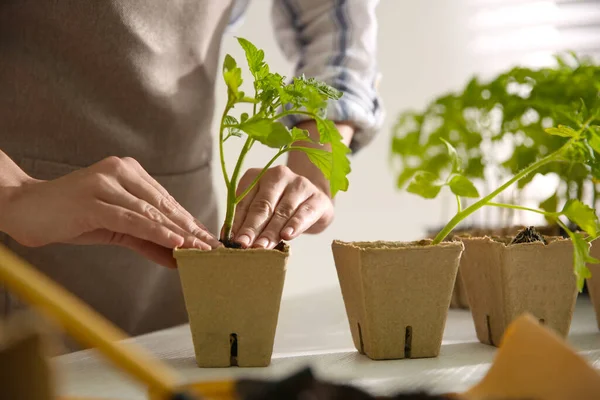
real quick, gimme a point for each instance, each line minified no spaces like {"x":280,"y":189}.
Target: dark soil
{"x":528,"y":235}
{"x":230,"y":244}
{"x":304,"y":385}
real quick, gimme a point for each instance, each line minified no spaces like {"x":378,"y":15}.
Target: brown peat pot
{"x":397,"y":295}
{"x":232,"y":297}
{"x":505,"y":281}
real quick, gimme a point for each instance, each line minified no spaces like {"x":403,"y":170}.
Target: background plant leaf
{"x":424,"y":184}
{"x":462,"y":186}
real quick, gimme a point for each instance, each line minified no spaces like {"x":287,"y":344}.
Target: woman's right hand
{"x":114,"y":201}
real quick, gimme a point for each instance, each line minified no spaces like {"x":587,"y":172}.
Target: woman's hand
{"x":114,"y":201}
{"x":282,"y":205}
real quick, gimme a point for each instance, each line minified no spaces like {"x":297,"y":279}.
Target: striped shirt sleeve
{"x":335,"y":41}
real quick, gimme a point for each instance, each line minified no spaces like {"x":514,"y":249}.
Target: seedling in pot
{"x":272,"y":99}
{"x":232,"y":297}
{"x":582,"y":149}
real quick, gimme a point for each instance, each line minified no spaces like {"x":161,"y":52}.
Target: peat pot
{"x":232,"y":297}
{"x":397,"y":295}
{"x":504,"y":281}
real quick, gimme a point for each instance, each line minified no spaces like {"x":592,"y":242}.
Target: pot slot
{"x":407,"y":341}
{"x":233,"y":350}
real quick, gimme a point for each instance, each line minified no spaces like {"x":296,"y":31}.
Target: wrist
{"x":9,"y":198}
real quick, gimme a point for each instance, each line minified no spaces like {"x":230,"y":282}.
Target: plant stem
{"x":260,"y":175}
{"x":483,"y":201}
{"x":221,"y":142}
{"x":231,"y":189}
{"x":515,"y":207}
{"x":291,"y":112}
{"x":459,"y":208}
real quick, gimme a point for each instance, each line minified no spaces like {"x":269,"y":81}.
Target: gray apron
{"x":84,"y":80}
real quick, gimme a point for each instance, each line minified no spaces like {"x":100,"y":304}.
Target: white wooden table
{"x":313,"y":331}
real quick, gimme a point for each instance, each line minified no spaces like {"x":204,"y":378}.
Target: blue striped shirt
{"x":334,"y":41}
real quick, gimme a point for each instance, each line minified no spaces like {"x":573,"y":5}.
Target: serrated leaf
{"x":581,"y":257}
{"x":320,"y":158}
{"x":562,"y":130}
{"x":582,"y":215}
{"x":255,"y":58}
{"x":328,"y":134}
{"x":425,"y":185}
{"x":232,"y":75}
{"x":323,"y":88}
{"x":462,"y":186}
{"x":300,"y":135}
{"x":267,"y":132}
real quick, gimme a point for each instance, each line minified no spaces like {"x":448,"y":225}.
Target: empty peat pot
{"x":397,"y":295}
{"x":232,"y":297}
{"x":504,"y":281}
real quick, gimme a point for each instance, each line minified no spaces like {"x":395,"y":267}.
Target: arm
{"x":335,"y":42}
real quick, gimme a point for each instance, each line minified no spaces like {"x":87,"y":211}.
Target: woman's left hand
{"x":281,"y":206}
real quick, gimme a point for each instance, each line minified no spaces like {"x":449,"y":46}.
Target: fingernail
{"x":177,"y":239}
{"x":262,"y":242}
{"x":289,"y":231}
{"x":198,"y":244}
{"x":244,"y":240}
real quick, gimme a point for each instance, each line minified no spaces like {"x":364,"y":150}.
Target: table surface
{"x":313,"y":331}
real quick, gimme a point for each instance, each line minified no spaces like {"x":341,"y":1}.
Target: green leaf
{"x":425,"y":185}
{"x":582,"y":215}
{"x":562,"y":130}
{"x":300,"y":135}
{"x":405,"y":175}
{"x":255,"y":58}
{"x":550,"y":204}
{"x":232,"y":74}
{"x":234,"y":130}
{"x":581,"y":257}
{"x":323,"y":159}
{"x":340,"y":167}
{"x":462,"y":186}
{"x":594,"y":142}
{"x":267,"y":132}
{"x":453,"y":156}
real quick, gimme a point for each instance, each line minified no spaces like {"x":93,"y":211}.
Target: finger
{"x":259,"y":212}
{"x":241,"y":211}
{"x":122,"y":220}
{"x":123,"y":198}
{"x":159,"y":254}
{"x":307,"y":214}
{"x":294,"y":195}
{"x":149,"y":189}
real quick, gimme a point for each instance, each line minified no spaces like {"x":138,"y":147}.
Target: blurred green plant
{"x":514,"y":108}
{"x":581,"y":149}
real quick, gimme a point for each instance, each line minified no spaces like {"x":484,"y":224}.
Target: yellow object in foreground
{"x":83,"y":323}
